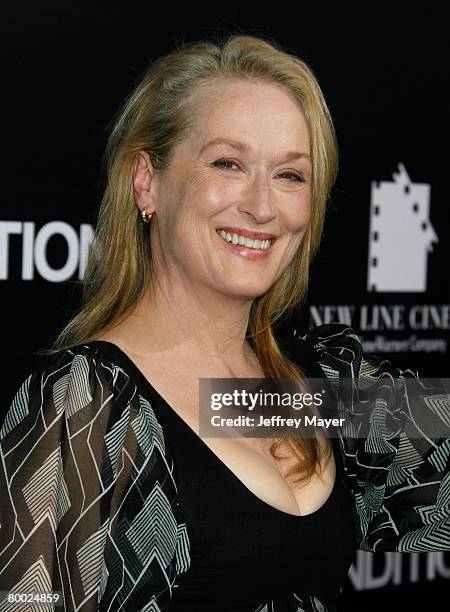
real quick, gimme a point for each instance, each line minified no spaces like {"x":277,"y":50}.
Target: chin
{"x":248,"y":291}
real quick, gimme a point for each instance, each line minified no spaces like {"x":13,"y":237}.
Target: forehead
{"x":262,"y":112}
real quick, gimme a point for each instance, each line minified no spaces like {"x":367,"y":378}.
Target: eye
{"x":220,"y":163}
{"x":227,"y":163}
{"x":295,"y":177}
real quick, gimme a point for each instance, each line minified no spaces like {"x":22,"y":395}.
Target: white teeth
{"x":261,"y":245}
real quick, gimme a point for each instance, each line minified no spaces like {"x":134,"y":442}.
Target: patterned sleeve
{"x":399,"y":474}
{"x":88,"y":500}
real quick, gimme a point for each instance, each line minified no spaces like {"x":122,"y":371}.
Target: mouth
{"x":253,"y":240}
{"x":256,"y":247}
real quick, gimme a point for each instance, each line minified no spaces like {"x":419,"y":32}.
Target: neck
{"x":180,"y":323}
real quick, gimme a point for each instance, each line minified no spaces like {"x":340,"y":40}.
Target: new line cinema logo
{"x":34,"y":249}
{"x":400,"y":239}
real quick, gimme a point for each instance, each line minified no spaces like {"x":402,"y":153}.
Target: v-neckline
{"x":117,"y":351}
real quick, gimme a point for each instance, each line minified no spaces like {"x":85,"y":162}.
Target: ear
{"x":143,"y":174}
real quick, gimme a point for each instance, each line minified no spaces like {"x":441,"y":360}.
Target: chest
{"x":248,"y":459}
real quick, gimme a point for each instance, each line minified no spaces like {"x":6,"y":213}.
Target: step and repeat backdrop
{"x":383,"y":267}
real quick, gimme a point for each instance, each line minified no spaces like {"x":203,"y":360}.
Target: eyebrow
{"x":243,"y":146}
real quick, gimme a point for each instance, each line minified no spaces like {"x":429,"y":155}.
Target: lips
{"x":248,"y":253}
{"x":248,"y":233}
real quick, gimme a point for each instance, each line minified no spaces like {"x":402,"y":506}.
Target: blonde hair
{"x":155,"y":118}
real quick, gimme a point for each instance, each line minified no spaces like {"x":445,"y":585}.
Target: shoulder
{"x":78,"y":358}
{"x":76,"y":374}
{"x":340,"y":352}
{"x":337,"y":346}
{"x":84,"y":387}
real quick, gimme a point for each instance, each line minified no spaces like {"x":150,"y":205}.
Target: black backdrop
{"x":384,"y":72}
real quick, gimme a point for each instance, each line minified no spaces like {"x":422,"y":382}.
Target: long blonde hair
{"x":154,"y":118}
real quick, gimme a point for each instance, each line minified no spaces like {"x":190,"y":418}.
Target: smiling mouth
{"x":238,"y":239}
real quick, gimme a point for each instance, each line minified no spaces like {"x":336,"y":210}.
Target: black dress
{"x":244,"y":552}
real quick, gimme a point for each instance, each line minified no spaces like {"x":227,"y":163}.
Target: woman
{"x":219,"y":168}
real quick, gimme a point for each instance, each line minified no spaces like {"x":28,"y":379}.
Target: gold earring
{"x":146,"y":217}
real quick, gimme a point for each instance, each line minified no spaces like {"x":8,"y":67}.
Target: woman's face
{"x":261,"y":184}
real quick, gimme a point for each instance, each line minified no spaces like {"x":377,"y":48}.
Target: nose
{"x":258,"y":200}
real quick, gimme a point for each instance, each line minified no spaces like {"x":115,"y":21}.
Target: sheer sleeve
{"x":89,"y":506}
{"x":399,"y":474}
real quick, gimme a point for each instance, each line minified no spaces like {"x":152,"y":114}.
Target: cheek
{"x":298,"y":214}
{"x":206,"y":193}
